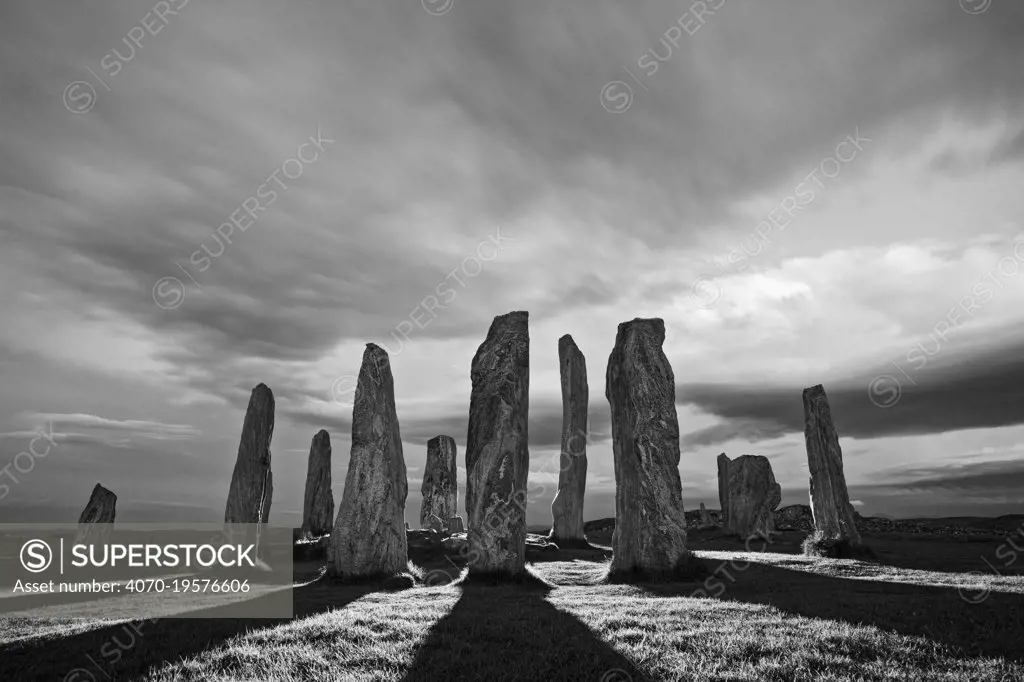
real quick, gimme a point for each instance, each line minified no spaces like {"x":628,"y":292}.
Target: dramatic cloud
{"x":253,"y":191}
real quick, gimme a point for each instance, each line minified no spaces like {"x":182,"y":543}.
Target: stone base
{"x":569,"y":543}
{"x":816,"y":545}
{"x":689,"y":569}
{"x":383,"y":581}
{"x":525,"y":578}
{"x":311,"y":549}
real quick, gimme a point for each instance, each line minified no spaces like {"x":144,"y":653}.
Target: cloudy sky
{"x":807,"y":192}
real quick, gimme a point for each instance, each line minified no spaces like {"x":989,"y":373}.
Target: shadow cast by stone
{"x":991,"y":628}
{"x":689,"y":569}
{"x":528,"y":579}
{"x":495,"y":634}
{"x":152,"y":644}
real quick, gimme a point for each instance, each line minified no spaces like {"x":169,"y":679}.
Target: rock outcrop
{"x":567,"y":507}
{"x":318,"y":505}
{"x":252,"y":486}
{"x":497,"y":453}
{"x":650,"y":526}
{"x":369,"y":536}
{"x":753,"y":495}
{"x":830,"y":500}
{"x":440,"y":487}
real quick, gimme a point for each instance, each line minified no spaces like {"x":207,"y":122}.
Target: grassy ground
{"x":774,"y":615}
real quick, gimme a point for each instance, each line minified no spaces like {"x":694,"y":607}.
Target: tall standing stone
{"x":752,"y":497}
{"x":723,"y":488}
{"x":318,"y":504}
{"x":99,"y":509}
{"x":252,"y":483}
{"x":650,"y":527}
{"x":369,"y":538}
{"x":497,"y":454}
{"x":101,"y":506}
{"x":567,"y":507}
{"x":830,"y":501}
{"x":440,"y":488}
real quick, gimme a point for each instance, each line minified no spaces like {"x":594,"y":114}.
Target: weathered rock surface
{"x":457,"y":544}
{"x":567,"y":507}
{"x":497,"y":454}
{"x":539,"y":546}
{"x":650,"y":526}
{"x":436,"y":524}
{"x":424,"y":541}
{"x":794,"y":517}
{"x":440,"y":481}
{"x":251,"y":490}
{"x":723,"y":487}
{"x":369,"y":536}
{"x":830,"y":500}
{"x":318,"y":507}
{"x":100,"y":508}
{"x":753,"y":496}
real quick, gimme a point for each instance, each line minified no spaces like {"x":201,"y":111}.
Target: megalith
{"x":99,"y":509}
{"x":318,"y":504}
{"x":369,"y":537}
{"x":753,"y":496}
{"x":567,"y":507}
{"x":251,"y":488}
{"x":830,"y":500}
{"x":705,"y":517}
{"x":497,"y":454}
{"x":440,"y":487}
{"x":650,"y":527}
{"x":723,"y":488}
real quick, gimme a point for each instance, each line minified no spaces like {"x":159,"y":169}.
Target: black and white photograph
{"x":481,"y":340}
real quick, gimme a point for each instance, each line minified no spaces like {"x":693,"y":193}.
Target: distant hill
{"x":798,"y":517}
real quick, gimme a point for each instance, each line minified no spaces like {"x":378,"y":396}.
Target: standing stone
{"x":252,"y":484}
{"x":753,"y":496}
{"x":723,"y":488}
{"x":318,"y":506}
{"x":369,"y":538}
{"x":567,"y":507}
{"x":456,"y":525}
{"x":650,"y":526}
{"x":705,"y":518}
{"x":440,"y":481}
{"x":99,"y":509}
{"x":497,"y":454}
{"x":830,"y":501}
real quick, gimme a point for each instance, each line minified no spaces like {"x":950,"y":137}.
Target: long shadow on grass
{"x":498,"y":633}
{"x":121,"y":652}
{"x":992,"y":627}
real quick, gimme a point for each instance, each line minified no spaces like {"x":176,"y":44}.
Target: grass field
{"x":919,"y":614}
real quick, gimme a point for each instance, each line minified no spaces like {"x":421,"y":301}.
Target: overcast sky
{"x":805,"y":191}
